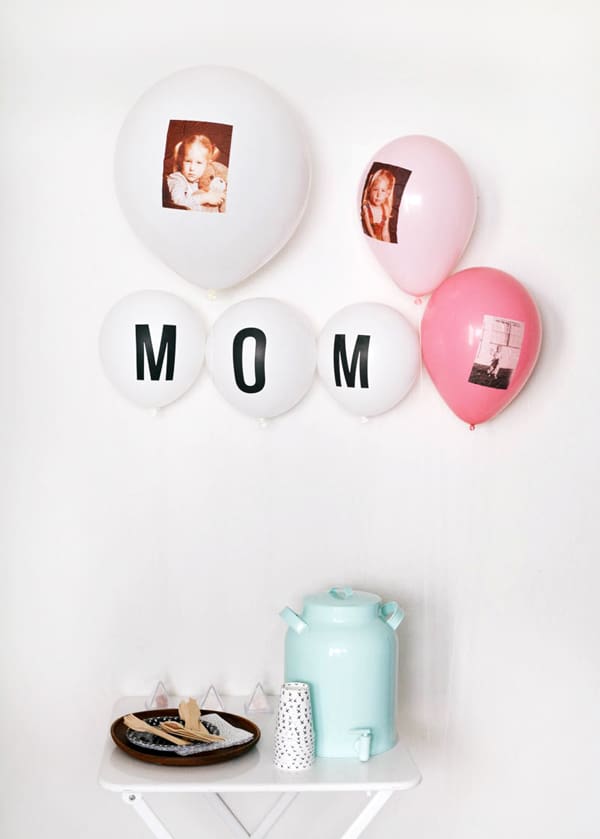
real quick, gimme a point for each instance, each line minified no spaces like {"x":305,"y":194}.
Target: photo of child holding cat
{"x":196,"y":180}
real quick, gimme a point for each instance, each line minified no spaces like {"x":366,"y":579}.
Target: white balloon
{"x":368,"y":358}
{"x":152,"y":347}
{"x":261,"y":356}
{"x":261,"y":170}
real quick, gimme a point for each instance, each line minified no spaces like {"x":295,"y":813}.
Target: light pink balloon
{"x":435,"y":216}
{"x":481,"y":335}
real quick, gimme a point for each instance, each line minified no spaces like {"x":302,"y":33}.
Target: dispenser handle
{"x":392,"y":614}
{"x":293,"y":620}
{"x":341,"y":592}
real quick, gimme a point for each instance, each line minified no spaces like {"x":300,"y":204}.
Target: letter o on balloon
{"x":261,"y":356}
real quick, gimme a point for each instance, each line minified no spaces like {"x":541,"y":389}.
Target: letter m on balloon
{"x":360,"y":361}
{"x":145,"y":351}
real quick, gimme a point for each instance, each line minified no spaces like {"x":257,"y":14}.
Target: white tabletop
{"x":253,"y":771}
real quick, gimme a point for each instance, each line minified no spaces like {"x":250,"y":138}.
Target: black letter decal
{"x":259,"y":359}
{"x":143,"y":341}
{"x":361,"y":349}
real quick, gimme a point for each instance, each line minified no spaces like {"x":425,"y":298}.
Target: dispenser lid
{"x":341,"y":604}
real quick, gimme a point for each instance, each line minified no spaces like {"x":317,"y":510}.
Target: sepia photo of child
{"x":194,"y":176}
{"x":498,"y":352}
{"x":382,"y":193}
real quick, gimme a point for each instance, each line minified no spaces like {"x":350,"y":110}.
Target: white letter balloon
{"x":368,"y":358}
{"x":152,"y":347}
{"x":261,"y":356}
{"x":212,"y":173}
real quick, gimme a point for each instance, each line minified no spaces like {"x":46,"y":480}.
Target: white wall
{"x":488,"y":539}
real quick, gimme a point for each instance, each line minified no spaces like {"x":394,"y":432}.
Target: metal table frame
{"x":381,"y":777}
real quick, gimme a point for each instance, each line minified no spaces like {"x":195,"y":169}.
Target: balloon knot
{"x":364,"y":420}
{"x":263,"y":422}
{"x":418,"y":301}
{"x":211,"y":294}
{"x":471,"y":427}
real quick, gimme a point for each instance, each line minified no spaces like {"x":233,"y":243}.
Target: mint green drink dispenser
{"x":344,"y":647}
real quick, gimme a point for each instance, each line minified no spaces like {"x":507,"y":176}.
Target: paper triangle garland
{"x":258,"y":703}
{"x":212,"y":701}
{"x":159,"y":699}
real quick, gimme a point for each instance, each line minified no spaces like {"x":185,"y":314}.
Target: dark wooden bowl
{"x":118,"y":731}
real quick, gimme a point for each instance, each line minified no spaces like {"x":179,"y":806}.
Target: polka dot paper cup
{"x":294,"y":734}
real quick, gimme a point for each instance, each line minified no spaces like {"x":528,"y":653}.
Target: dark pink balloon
{"x":481,"y":337}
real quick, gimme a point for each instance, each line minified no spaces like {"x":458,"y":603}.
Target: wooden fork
{"x":191,"y":734}
{"x":136,"y":724}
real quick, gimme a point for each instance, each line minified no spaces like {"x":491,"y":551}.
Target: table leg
{"x":238,"y":829}
{"x":274,"y":814}
{"x":367,"y":815}
{"x":227,"y":814}
{"x":356,"y":829}
{"x":146,"y":814}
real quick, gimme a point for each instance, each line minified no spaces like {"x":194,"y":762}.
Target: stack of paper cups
{"x":294,"y":735}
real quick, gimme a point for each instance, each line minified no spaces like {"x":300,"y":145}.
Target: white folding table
{"x":380,"y":777}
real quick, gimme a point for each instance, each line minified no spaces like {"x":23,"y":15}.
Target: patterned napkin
{"x":233,"y":737}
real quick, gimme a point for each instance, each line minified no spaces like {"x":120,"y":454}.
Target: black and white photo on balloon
{"x":368,"y":358}
{"x":261,"y":356}
{"x":152,"y":347}
{"x":498,"y":352}
{"x":240,"y":135}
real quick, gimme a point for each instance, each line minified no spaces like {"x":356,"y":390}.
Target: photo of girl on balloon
{"x":196,"y":166}
{"x":381,"y":196}
{"x":498,"y":352}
